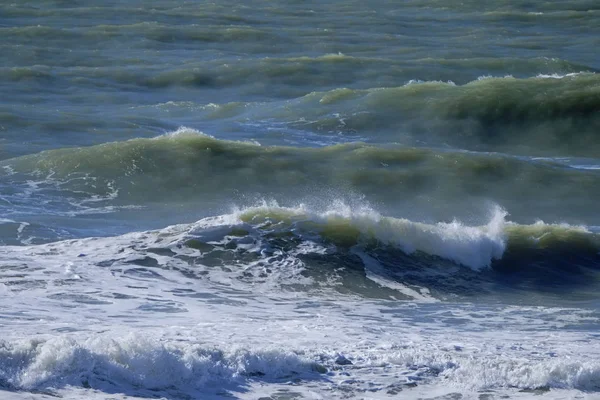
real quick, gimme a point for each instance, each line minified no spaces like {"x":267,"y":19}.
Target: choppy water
{"x":287,"y":200}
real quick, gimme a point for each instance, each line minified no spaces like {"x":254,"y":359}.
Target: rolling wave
{"x":137,"y":361}
{"x":359,"y":250}
{"x":552,"y":114}
{"x":476,"y":247}
{"x":344,"y":248}
{"x":540,"y":114}
{"x":193,"y":167}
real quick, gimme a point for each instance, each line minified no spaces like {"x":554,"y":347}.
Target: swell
{"x":188,"y":165}
{"x":501,"y":66}
{"x":507,"y":100}
{"x":165,"y":33}
{"x":151,"y":31}
{"x":548,"y":114}
{"x":552,"y":114}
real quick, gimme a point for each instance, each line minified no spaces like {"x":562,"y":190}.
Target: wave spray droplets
{"x":474,"y":247}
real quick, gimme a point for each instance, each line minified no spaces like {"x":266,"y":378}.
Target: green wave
{"x":39,"y":73}
{"x":38,"y":32}
{"x":191,"y":166}
{"x":347,"y":226}
{"x":545,"y":115}
{"x":343,"y":243}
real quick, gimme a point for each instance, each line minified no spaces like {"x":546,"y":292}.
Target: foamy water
{"x":82,"y":317}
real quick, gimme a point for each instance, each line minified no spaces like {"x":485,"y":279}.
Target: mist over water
{"x":288,"y":200}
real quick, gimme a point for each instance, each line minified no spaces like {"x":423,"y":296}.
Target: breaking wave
{"x":144,"y":365}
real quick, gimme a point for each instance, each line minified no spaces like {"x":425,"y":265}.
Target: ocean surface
{"x":286,"y":200}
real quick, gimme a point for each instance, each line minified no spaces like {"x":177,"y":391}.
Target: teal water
{"x":509,"y":82}
{"x":418,"y":151}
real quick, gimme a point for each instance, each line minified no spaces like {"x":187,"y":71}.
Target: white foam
{"x":560,"y":76}
{"x":375,"y":272}
{"x":586,"y":166}
{"x":274,"y":344}
{"x":420,"y":82}
{"x":126,"y":317}
{"x":137,"y":361}
{"x":4,"y":290}
{"x":183,"y":131}
{"x":487,"y":77}
{"x":474,"y":247}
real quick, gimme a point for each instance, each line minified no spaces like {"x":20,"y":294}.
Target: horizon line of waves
{"x":294,"y":72}
{"x":154,"y":31}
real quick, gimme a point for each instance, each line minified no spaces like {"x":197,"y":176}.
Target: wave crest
{"x":471,"y":246}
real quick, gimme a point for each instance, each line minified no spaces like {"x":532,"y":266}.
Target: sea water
{"x":299,"y":200}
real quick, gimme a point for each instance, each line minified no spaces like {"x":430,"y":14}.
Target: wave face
{"x":555,"y":114}
{"x":195,"y":174}
{"x":352,"y":249}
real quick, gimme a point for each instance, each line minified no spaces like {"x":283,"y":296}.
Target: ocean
{"x":286,"y":200}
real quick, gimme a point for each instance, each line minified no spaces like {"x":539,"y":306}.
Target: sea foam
{"x":471,"y":246}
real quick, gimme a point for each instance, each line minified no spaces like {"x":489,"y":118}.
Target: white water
{"x":98,"y":318}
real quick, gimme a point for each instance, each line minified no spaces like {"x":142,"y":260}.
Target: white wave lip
{"x":474,"y":247}
{"x":184,"y":131}
{"x":471,"y":246}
